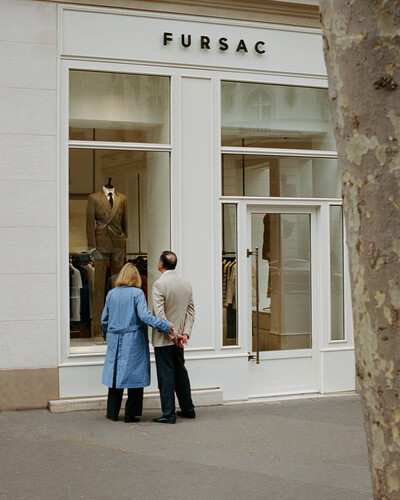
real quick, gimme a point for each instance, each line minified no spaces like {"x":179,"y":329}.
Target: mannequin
{"x":106,"y":231}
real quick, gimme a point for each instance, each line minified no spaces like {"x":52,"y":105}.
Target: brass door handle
{"x":257,"y":356}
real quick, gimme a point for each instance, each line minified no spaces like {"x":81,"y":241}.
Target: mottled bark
{"x":362,"y":53}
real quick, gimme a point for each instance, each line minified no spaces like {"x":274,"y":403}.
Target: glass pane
{"x":275,"y":116}
{"x":337,"y":293}
{"x":229,"y":282}
{"x":284,"y":281}
{"x":248,"y":175}
{"x":118,"y":107}
{"x":102,"y":237}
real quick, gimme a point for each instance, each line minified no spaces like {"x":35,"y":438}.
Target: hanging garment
{"x":231,"y":287}
{"x":90,"y":270}
{"x":224,"y":276}
{"x":75,"y":294}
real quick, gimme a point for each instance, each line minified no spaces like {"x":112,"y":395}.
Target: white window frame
{"x":95,"y":354}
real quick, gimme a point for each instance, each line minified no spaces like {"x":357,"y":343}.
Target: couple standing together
{"x":127,"y":363}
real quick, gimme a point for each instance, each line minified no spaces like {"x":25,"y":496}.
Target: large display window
{"x":274,"y":176}
{"x":119,"y":107}
{"x":337,"y":272}
{"x":229,"y":280}
{"x":260,"y":115}
{"x":119,"y":199}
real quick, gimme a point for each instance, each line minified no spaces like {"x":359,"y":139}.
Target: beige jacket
{"x":173,"y":301}
{"x":106,"y":226}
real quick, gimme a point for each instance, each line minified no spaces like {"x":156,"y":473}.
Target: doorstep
{"x":151,"y":401}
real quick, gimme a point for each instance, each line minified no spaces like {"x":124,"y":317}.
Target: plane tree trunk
{"x":362,"y":54}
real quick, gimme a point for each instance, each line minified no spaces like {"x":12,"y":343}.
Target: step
{"x":151,"y":401}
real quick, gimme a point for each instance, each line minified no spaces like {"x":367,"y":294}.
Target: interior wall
{"x":158,"y":213}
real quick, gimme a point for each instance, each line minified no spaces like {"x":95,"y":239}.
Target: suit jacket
{"x":106,"y":226}
{"x":173,"y":301}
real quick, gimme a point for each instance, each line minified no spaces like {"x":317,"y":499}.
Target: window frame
{"x":95,"y":355}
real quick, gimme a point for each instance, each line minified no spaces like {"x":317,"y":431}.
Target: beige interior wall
{"x":291,"y":12}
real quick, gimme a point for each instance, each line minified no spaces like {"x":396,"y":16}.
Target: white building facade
{"x":217,"y":132}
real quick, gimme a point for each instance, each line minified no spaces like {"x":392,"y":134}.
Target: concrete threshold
{"x":201,"y":397}
{"x":151,"y":401}
{"x":287,"y":397}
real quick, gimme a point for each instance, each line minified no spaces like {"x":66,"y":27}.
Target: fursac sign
{"x":223,"y":44}
{"x":185,"y":41}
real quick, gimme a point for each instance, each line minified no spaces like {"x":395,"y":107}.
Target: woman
{"x":124,"y":326}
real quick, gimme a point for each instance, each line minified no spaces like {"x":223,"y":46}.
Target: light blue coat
{"x":123,"y":323}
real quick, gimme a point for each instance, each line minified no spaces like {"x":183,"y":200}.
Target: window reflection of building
{"x":259,"y":105}
{"x":291,"y":96}
{"x":226,"y":102}
{"x":275,"y":116}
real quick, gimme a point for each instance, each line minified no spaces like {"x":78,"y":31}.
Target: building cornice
{"x":290,"y":12}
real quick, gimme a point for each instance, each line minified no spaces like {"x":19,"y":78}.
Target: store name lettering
{"x":223,"y":45}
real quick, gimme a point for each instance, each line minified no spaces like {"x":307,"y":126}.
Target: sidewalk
{"x":295,"y":449}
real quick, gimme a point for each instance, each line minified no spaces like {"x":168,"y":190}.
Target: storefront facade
{"x":214,"y":138}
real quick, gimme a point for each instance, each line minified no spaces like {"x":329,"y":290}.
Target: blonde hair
{"x":129,"y":276}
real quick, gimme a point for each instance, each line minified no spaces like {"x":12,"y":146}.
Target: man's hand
{"x":180,"y":340}
{"x":171,"y":330}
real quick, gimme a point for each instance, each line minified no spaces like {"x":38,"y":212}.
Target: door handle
{"x":257,"y":356}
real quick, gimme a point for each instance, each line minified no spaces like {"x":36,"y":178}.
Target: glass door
{"x":281,"y":284}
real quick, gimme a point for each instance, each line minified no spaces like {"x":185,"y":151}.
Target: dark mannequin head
{"x":109,"y":185}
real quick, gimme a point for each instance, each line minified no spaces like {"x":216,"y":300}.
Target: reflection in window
{"x":119,"y":211}
{"x":258,"y":105}
{"x":276,"y":116}
{"x":337,"y":293}
{"x":118,"y":107}
{"x":249,"y":175}
{"x":229,"y":273}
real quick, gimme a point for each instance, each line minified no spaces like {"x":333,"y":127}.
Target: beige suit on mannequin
{"x":106,"y":230}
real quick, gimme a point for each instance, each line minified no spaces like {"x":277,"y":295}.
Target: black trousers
{"x":134,"y":403}
{"x":173,"y":378}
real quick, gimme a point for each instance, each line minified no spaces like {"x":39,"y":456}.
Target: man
{"x":172,"y":299}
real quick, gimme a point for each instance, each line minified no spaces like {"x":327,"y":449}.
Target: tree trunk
{"x":362,"y":54}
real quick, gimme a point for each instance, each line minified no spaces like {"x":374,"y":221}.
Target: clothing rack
{"x":77,"y":257}
{"x":144,"y":254}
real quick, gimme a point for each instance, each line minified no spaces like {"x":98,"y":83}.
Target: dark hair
{"x":168,"y":260}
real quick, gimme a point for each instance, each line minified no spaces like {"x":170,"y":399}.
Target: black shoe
{"x":186,"y":414}
{"x":165,"y":420}
{"x":128,"y":420}
{"x":111,"y":417}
